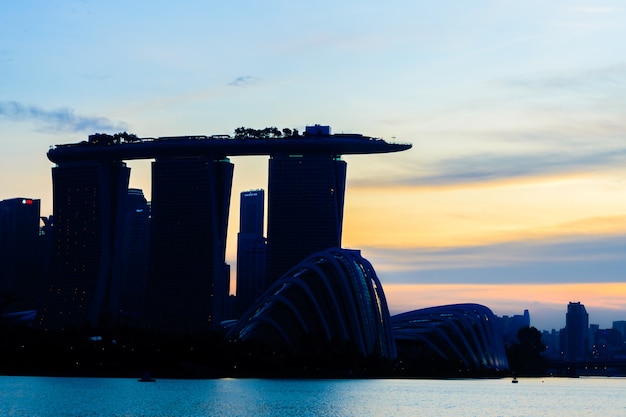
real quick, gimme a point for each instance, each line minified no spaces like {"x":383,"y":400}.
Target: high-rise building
{"x":606,"y":343}
{"x":551,"y":339}
{"x":620,"y":326}
{"x":135,"y":252}
{"x":511,"y":325}
{"x":577,"y":331}
{"x":188,"y":279}
{"x":89,"y":200}
{"x":251,"y":212}
{"x":305,"y":208}
{"x":21,"y":258}
{"x":251,"y":249}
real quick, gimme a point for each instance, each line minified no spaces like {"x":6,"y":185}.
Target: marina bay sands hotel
{"x":186,"y":278}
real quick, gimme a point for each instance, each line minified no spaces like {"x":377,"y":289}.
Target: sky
{"x":512,"y":196}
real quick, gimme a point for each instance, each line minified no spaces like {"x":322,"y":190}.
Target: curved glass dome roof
{"x":331,"y":304}
{"x":458,"y":338}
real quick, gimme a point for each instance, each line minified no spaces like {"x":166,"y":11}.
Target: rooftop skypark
{"x":315,"y":140}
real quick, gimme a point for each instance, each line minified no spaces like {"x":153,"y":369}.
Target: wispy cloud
{"x":243,"y":80}
{"x":557,"y":123}
{"x":492,"y":167}
{"x":598,"y":259}
{"x":593,"y":79}
{"x":61,"y":119}
{"x":595,"y":10}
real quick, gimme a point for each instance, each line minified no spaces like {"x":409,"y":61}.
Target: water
{"x":67,"y":397}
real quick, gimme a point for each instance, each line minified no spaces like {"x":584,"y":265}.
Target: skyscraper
{"x":620,"y":326}
{"x":89,"y":199}
{"x":134,"y":253}
{"x":577,"y":334}
{"x":251,"y":212}
{"x":251,"y":249}
{"x":305,"y":208}
{"x":511,"y":325}
{"x":188,"y":279}
{"x":21,"y":260}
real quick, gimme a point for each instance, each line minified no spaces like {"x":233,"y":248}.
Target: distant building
{"x":606,"y":343}
{"x":577,"y":331}
{"x":551,"y":340}
{"x":21,"y":255}
{"x":305,"y":208}
{"x":251,"y":249}
{"x":591,"y":332}
{"x":135,"y":258}
{"x":230,"y":307}
{"x":187,"y":282}
{"x":89,"y":201}
{"x":511,"y":325}
{"x":620,"y":326}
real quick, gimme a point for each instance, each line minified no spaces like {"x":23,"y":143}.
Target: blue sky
{"x":515,"y":110}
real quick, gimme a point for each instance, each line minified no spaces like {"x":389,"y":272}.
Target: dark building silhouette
{"x":89,"y":201}
{"x":606,"y":343}
{"x":552,"y":341}
{"x":620,"y":326}
{"x":305,"y":208}
{"x":510,"y":325}
{"x":251,"y":212}
{"x":21,"y":255}
{"x":576,"y":331}
{"x":330,"y":311}
{"x":451,"y":340}
{"x":135,"y":253}
{"x":251,"y":249}
{"x":188,"y":281}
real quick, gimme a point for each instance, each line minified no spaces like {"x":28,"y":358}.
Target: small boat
{"x":146,"y":377}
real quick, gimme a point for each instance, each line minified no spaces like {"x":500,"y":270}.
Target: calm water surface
{"x":59,"y":397}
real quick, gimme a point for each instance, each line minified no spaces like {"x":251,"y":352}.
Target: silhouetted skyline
{"x":328,"y":316}
{"x":514,"y":188}
{"x":119,"y":172}
{"x":188,"y":280}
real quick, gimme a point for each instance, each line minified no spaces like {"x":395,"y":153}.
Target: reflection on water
{"x":39,"y":396}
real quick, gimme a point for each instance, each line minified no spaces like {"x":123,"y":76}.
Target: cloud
{"x":490,"y":167}
{"x":61,"y":119}
{"x":603,"y":79}
{"x":243,"y":80}
{"x":599,"y":259}
{"x":595,"y":10}
{"x":544,"y":124}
